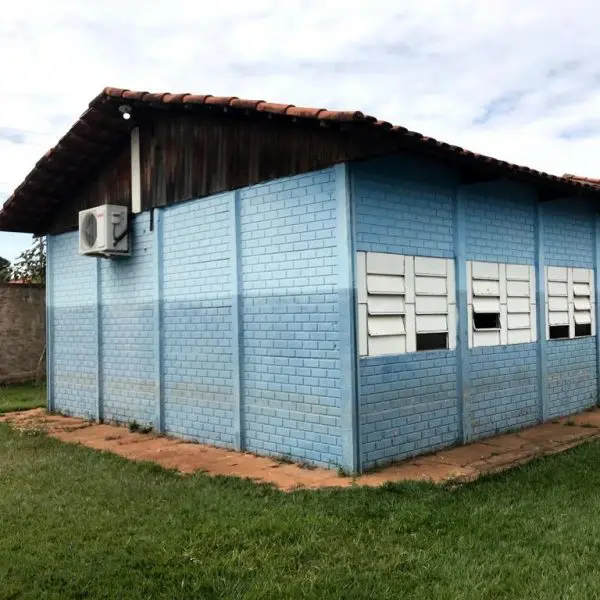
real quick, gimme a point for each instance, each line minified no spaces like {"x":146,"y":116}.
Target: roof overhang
{"x":101,"y":128}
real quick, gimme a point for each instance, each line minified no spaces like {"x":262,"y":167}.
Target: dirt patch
{"x":463,"y":463}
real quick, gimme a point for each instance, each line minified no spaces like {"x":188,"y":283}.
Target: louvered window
{"x":570,"y":302}
{"x":405,"y":304}
{"x":501,"y":301}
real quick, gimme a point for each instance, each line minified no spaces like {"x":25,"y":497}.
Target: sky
{"x":518,"y":80}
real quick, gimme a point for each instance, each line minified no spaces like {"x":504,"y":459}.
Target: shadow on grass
{"x":23,"y":396}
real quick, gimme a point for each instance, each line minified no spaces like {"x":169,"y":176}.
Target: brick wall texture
{"x":251,"y":333}
{"x":22,"y":332}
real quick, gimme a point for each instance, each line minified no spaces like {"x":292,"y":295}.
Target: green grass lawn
{"x":75,"y":523}
{"x":21,"y":397}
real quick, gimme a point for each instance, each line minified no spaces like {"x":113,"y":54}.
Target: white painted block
{"x":581,"y":275}
{"x":558,"y":318}
{"x":379,"y":263}
{"x":502,"y":283}
{"x":470,"y":327}
{"x":363,"y":347}
{"x":503,"y":327}
{"x":518,"y":305}
{"x":411,"y":328}
{"x":570,"y":289}
{"x":380,"y":346}
{"x":431,"y":323}
{"x":409,"y":279}
{"x":432,"y":305}
{"x":581,"y":289}
{"x":556,"y":288}
{"x":434,"y":286}
{"x":558,"y":303}
{"x":385,"y":284}
{"x":469,"y":283}
{"x":583,"y":317}
{"x":485,"y":270}
{"x":517,"y":289}
{"x":556,"y":274}
{"x":519,"y":336}
{"x":582,"y":303}
{"x":482,"y":287}
{"x":452,"y":326}
{"x":486,"y":305}
{"x":533,"y":328}
{"x":517,"y":272}
{"x":378,"y":326}
{"x":361,"y":277}
{"x":486,"y":338}
{"x":518,"y":321}
{"x":451,"y":283}
{"x":430,"y":266}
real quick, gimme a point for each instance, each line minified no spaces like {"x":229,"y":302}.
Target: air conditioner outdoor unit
{"x":103,"y":231}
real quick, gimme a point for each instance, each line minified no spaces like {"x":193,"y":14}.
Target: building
{"x":310,"y":283}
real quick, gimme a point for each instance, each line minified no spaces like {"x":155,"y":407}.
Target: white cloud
{"x":517,"y":80}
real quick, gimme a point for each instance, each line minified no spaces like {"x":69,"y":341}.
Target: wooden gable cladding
{"x":191,"y":156}
{"x":187,"y":157}
{"x":111,"y":184}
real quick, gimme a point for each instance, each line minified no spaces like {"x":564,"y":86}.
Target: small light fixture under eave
{"x":125,"y":111}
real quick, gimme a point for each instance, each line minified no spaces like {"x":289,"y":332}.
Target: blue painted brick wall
{"x":403,"y":205}
{"x":500,"y":223}
{"x":504,"y":388}
{"x":407,"y":406}
{"x":291,"y":353}
{"x":127,"y":330}
{"x":407,"y":403}
{"x":197,"y":299}
{"x":571,"y":375}
{"x":569,"y":230}
{"x":73,"y":309}
{"x":500,"y":227}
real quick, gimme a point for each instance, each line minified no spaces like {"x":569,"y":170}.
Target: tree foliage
{"x":5,"y":269}
{"x":30,"y":266}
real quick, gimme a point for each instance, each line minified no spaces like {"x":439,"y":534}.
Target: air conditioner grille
{"x":89,"y":230}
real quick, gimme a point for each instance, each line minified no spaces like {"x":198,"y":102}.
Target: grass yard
{"x":76,"y":523}
{"x":21,"y":397}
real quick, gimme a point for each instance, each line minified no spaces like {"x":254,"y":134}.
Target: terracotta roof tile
{"x":247,"y":104}
{"x":273,"y":107}
{"x":98,"y":126}
{"x":195,"y":98}
{"x":579,"y":179}
{"x":129,"y":95}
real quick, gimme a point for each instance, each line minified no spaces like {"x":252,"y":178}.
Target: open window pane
{"x":581,"y":289}
{"x":432,"y":341}
{"x":559,"y":332}
{"x":583,"y":329}
{"x":486,"y":321}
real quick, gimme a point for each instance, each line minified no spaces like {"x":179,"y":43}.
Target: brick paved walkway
{"x":462,"y":463}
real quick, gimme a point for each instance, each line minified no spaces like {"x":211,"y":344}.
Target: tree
{"x":30,"y":266}
{"x":5,"y":270}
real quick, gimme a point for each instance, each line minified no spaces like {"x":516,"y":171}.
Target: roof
{"x":100,"y":128}
{"x":580,"y":179}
